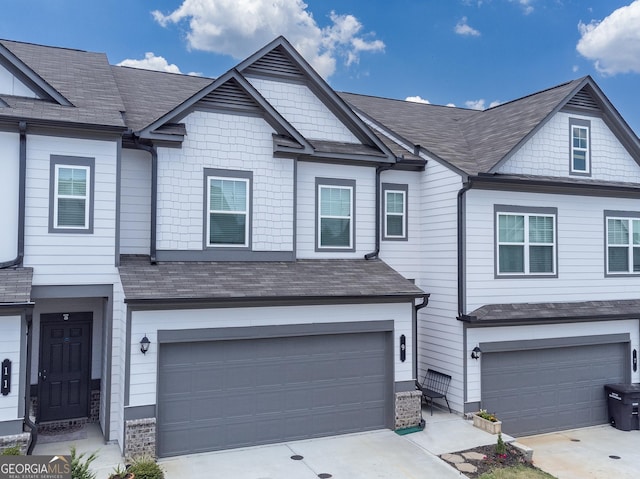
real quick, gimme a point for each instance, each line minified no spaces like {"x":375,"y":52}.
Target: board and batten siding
{"x":365,"y":208}
{"x":143,"y":369}
{"x":547,"y":152}
{"x":228,"y":142}
{"x":67,"y":258}
{"x":135,"y":202}
{"x":9,"y":189}
{"x":304,"y":110}
{"x":476,"y":336}
{"x":440,"y":334}
{"x":10,"y":341}
{"x":581,"y":251}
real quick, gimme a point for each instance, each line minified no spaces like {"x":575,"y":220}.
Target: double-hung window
{"x":395,"y":211}
{"x":71,"y":185}
{"x":580,"y":146}
{"x":526,"y":241}
{"x":335,"y":218}
{"x":623,"y":244}
{"x":228,"y":209}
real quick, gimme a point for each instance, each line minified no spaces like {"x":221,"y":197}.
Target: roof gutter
{"x":154,"y":193}
{"x":22,"y":179}
{"x":379,"y":169}
{"x":461,"y":266}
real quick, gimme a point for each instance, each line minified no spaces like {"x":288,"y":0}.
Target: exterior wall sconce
{"x":144,"y":344}
{"x":475,"y":353}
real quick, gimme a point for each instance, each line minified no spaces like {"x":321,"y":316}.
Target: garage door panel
{"x":237,"y":393}
{"x":544,"y":390}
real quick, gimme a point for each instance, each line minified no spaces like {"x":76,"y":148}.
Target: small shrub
{"x":146,"y":468}
{"x":80,"y":465}
{"x":487,"y":415}
{"x":119,"y":472}
{"x":501,"y":448}
{"x":12,"y":451}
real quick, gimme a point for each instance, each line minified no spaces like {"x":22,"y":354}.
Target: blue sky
{"x":470,"y":53}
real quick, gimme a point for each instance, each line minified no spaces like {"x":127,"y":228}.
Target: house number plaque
{"x":5,"y":385}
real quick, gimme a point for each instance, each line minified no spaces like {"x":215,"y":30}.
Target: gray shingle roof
{"x":541,"y":311}
{"x":472,"y":141}
{"x":267,"y":280}
{"x":15,"y":285}
{"x":83,"y":78}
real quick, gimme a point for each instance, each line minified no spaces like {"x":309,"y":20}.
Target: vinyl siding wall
{"x":365,"y":210}
{"x":135,"y":202}
{"x":9,"y":183}
{"x":232,"y":142}
{"x":10,"y":341}
{"x":581,"y":251}
{"x":143,"y":376}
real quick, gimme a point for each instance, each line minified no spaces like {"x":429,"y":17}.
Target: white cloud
{"x":613,"y":43}
{"x":452,"y":105}
{"x":475,"y":104}
{"x":417,"y":99}
{"x":575,"y":68}
{"x":463,"y":28}
{"x":240,"y":27}
{"x":494,"y":103}
{"x":151,"y":62}
{"x":526,"y":5}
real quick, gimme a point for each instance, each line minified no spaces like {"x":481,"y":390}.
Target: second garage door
{"x":223,"y":394}
{"x":543,"y":390}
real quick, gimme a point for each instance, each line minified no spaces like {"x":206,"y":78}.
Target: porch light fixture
{"x":144,"y":344}
{"x":476,"y":352}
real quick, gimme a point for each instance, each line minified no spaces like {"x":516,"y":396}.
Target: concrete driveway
{"x":599,"y":452}
{"x":381,"y":454}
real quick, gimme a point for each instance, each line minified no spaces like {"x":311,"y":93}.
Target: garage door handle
{"x":43,"y":374}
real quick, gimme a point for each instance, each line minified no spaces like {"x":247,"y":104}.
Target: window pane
{"x":228,"y":195}
{"x":636,"y":260}
{"x":618,"y":259}
{"x":394,"y":225}
{"x":511,"y":229}
{"x":395,"y":202}
{"x":636,"y":231}
{"x":541,"y":259}
{"x":579,"y":160}
{"x":580,"y":138}
{"x":335,"y":232}
{"x":335,"y":202}
{"x":541,"y":229}
{"x":71,"y":212}
{"x":511,"y":259}
{"x":618,"y":231}
{"x":227,"y":228}
{"x":72,"y":181}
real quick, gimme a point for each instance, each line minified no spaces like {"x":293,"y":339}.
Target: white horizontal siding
{"x":581,"y":251}
{"x":9,"y":186}
{"x":143,"y":372}
{"x":10,"y":341}
{"x":547,"y":152}
{"x":230,"y":142}
{"x":135,"y":202}
{"x":304,"y":110}
{"x":365,"y":203}
{"x":65,"y":258}
{"x":476,"y":336}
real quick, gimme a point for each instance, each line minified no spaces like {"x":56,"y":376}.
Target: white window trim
{"x":387,"y":213}
{"x":245,"y":212}
{"x":630,"y":246}
{"x":526,"y":244}
{"x":86,"y":197}
{"x":321,"y":216}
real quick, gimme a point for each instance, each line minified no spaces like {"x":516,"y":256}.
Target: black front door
{"x":65,"y":366}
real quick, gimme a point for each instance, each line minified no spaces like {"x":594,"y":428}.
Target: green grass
{"x":516,"y":472}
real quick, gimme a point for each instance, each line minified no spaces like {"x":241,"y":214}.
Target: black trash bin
{"x":622,"y":401}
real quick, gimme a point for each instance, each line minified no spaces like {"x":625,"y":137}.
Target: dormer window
{"x":580,"y":147}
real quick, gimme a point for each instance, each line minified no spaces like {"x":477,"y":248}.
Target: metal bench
{"x":434,"y":386}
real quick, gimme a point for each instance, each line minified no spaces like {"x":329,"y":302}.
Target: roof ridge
{"x":163,"y":72}
{"x":410,"y":102}
{"x":554,"y":87}
{"x":50,"y":46}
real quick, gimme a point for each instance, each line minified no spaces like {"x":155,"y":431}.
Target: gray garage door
{"x":224,"y":394}
{"x":544,"y":390}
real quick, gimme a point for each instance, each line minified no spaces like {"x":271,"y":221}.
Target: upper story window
{"x":623,"y":243}
{"x":228,"y":211}
{"x":71,"y":195}
{"x":580,"y":146}
{"x":335,"y":200}
{"x":526,"y":241}
{"x":394,"y":199}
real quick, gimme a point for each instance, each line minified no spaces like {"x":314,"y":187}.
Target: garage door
{"x":543,"y":390}
{"x":224,"y":394}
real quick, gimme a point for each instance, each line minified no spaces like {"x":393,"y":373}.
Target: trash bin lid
{"x":624,"y":388}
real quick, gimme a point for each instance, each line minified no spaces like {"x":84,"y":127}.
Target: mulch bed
{"x":491,"y":461}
